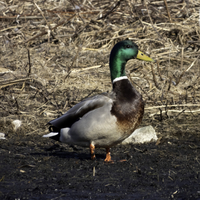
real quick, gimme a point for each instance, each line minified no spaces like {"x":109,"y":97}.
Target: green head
{"x":120,"y":54}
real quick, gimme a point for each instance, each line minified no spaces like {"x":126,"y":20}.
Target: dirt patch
{"x":36,"y":168}
{"x":54,"y":54}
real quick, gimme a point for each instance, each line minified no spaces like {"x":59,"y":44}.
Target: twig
{"x":29,"y":63}
{"x":186,"y":70}
{"x":42,"y":14}
{"x":170,"y":19}
{"x":12,"y":82}
{"x":154,"y":78}
{"x":176,"y":105}
{"x":169,"y":86}
{"x":86,"y":68}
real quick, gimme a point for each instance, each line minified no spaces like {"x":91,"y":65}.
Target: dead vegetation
{"x":55,"y":53}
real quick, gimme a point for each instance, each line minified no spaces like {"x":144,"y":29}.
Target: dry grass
{"x":54,"y":53}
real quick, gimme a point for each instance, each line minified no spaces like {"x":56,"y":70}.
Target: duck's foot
{"x":108,"y":156}
{"x":92,"y":148}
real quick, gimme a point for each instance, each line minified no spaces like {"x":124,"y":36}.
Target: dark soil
{"x":33,"y":167}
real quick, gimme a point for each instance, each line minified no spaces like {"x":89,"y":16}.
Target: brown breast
{"x":128,"y":106}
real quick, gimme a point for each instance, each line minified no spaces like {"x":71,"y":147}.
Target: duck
{"x":105,"y":120}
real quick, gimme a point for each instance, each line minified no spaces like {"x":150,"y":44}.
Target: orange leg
{"x":108,"y":156}
{"x":92,"y":148}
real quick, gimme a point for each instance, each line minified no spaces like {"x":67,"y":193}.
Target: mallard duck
{"x":106,"y":119}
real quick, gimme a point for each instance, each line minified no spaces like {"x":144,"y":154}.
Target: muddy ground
{"x":56,"y":53}
{"x":37,"y":168}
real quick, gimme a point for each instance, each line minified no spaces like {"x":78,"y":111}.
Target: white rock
{"x":16,"y":123}
{"x":2,"y":136}
{"x":141,"y":135}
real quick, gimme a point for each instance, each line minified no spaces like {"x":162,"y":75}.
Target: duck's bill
{"x":144,"y":57}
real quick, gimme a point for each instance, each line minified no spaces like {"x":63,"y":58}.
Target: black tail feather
{"x":54,"y":129}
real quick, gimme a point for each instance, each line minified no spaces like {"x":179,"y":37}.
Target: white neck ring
{"x":120,"y":78}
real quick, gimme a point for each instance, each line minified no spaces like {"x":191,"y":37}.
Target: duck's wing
{"x":82,"y":108}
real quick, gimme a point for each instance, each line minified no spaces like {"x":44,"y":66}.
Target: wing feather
{"x":80,"y":109}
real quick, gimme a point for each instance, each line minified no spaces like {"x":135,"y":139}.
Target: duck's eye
{"x":128,"y":46}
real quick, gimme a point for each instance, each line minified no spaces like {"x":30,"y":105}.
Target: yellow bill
{"x":144,"y":57}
